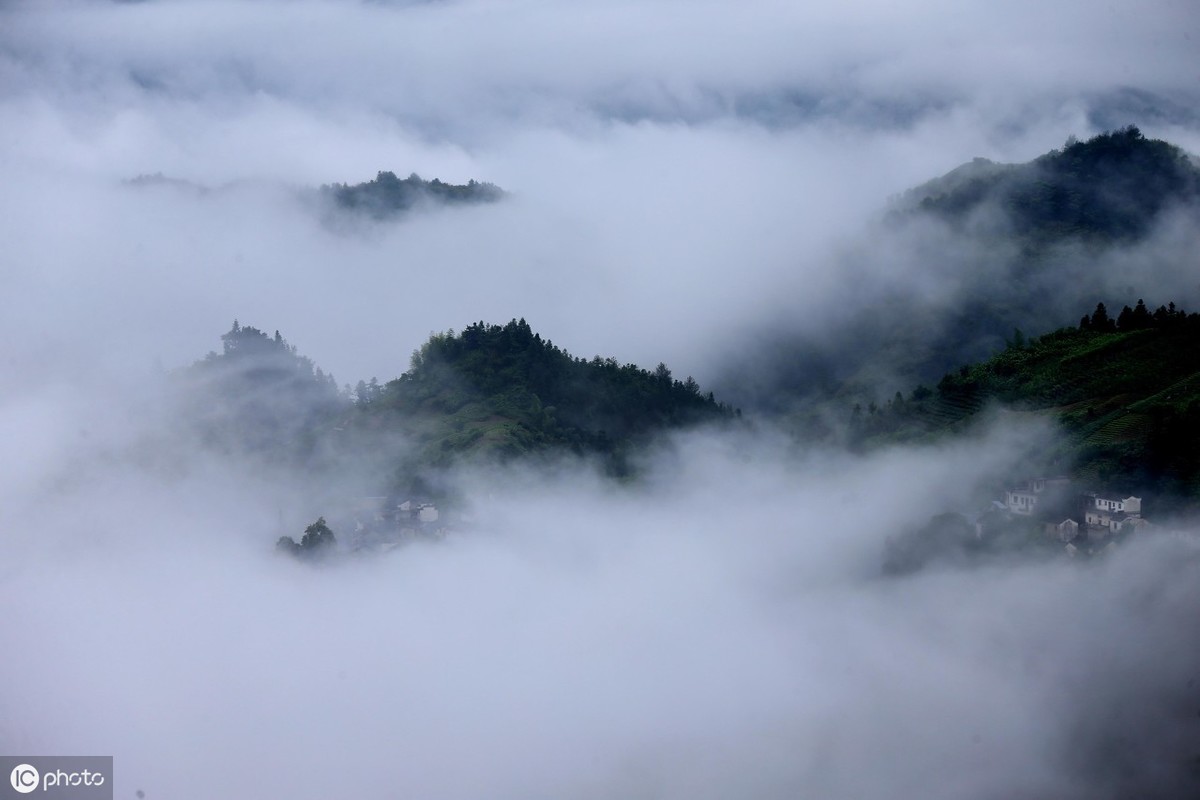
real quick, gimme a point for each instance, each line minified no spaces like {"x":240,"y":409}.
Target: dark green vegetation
{"x":1111,"y":187}
{"x":502,"y":392}
{"x":492,"y":392}
{"x":318,"y":540}
{"x":388,"y":195}
{"x":1022,"y":245}
{"x":1126,"y":393}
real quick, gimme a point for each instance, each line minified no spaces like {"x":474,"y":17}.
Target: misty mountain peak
{"x":1110,"y":187}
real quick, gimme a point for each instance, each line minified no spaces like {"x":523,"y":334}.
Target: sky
{"x":679,"y":171}
{"x":682,"y":177}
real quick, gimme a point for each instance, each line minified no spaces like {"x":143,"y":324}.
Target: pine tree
{"x":1100,"y":321}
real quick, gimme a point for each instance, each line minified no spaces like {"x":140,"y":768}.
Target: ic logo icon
{"x":24,"y":778}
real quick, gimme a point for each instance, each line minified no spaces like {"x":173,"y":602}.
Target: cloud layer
{"x":722,"y":630}
{"x":680,"y":171}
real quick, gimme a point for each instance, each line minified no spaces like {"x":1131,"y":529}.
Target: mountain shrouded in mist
{"x":383,"y":198}
{"x":1123,"y":390}
{"x":387,"y":195}
{"x":491,"y":392}
{"x":504,"y":392}
{"x":258,"y":395}
{"x":1114,"y":186}
{"x":985,"y":249}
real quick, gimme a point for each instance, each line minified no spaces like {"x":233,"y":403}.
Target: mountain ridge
{"x":492,"y":393}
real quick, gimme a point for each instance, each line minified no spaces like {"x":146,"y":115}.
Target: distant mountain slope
{"x":959,"y":262}
{"x":388,"y":195}
{"x":1112,"y":186}
{"x":258,"y":396}
{"x":1126,"y":395}
{"x":384,"y":197}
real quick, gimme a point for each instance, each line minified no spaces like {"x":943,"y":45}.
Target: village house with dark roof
{"x":1072,"y":517}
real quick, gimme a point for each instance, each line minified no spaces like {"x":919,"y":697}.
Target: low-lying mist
{"x":720,"y":627}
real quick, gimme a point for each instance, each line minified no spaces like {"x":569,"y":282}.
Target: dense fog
{"x":686,"y":182}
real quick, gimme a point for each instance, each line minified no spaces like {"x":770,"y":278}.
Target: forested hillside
{"x":962,"y":260}
{"x":491,"y":393}
{"x":1112,"y":186}
{"x":1123,"y":387}
{"x":502,"y":391}
{"x":1125,"y":392}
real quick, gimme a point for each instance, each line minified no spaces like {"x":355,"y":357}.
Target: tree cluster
{"x":506,"y":390}
{"x":318,"y":541}
{"x":388,"y":195}
{"x":1137,"y":318}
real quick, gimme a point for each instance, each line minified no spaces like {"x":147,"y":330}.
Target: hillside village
{"x":1073,"y":517}
{"x":1038,"y":517}
{"x":368,"y":525}
{"x":379,"y":524}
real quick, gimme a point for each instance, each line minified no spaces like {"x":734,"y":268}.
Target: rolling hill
{"x":492,"y":393}
{"x":1125,"y":393}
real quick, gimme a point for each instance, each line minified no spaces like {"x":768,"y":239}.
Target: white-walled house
{"x":1129,"y":505}
{"x":1066,"y":515}
{"x":1109,"y":515}
{"x":1024,"y":498}
{"x":1114,"y":521}
{"x":1020,"y":501}
{"x":1096,"y":518}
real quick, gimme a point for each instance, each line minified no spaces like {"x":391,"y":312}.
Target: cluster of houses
{"x":1074,"y":517}
{"x":380,"y":524}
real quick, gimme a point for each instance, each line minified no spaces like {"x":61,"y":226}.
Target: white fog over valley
{"x":704,"y":185}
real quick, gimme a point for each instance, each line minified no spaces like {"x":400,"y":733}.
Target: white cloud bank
{"x":721,"y":631}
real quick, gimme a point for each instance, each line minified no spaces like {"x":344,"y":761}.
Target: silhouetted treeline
{"x":318,"y":541}
{"x":388,"y":195}
{"x":1137,"y":318}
